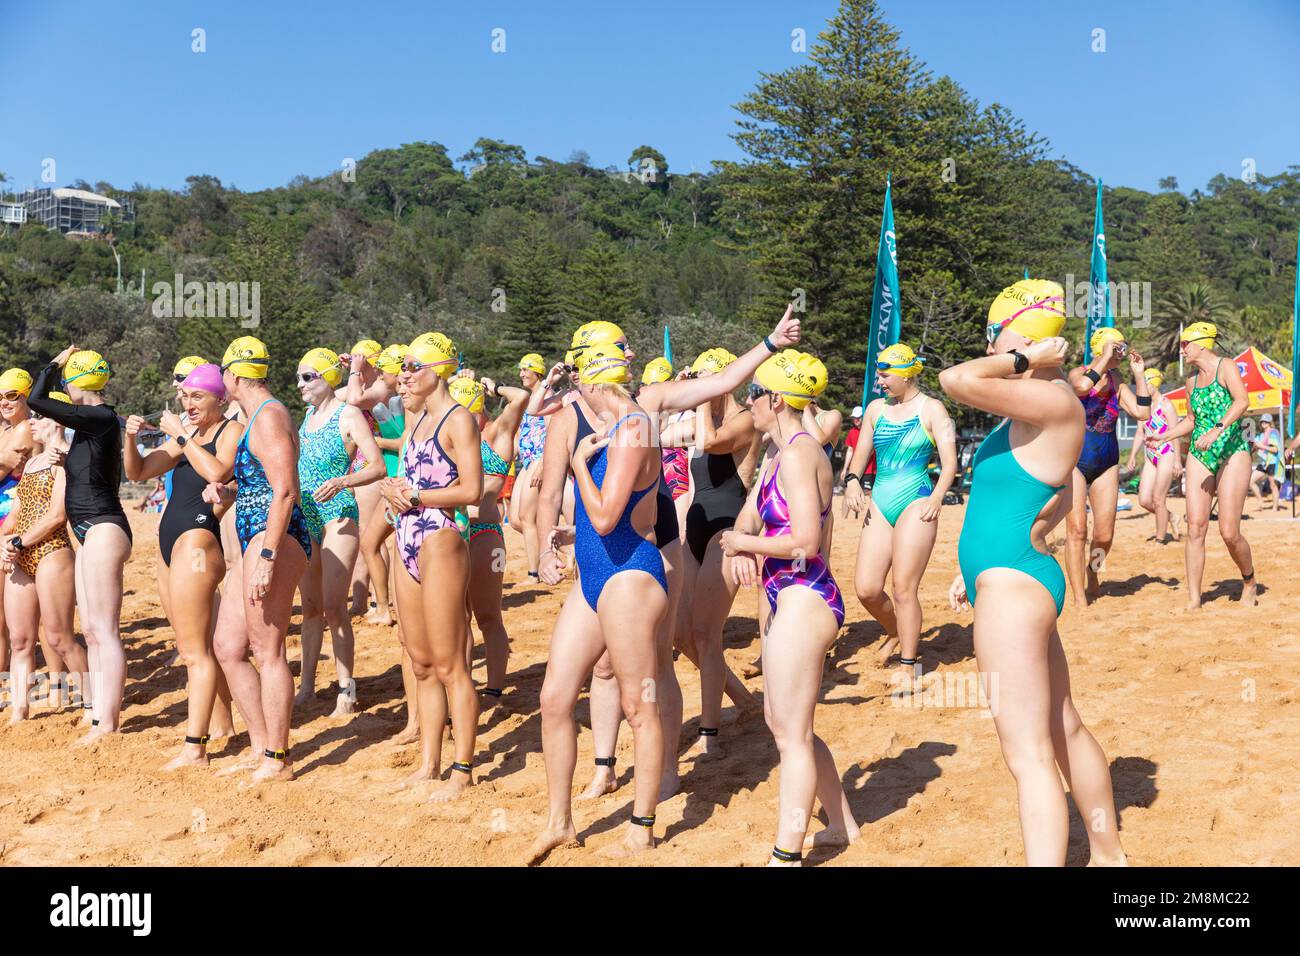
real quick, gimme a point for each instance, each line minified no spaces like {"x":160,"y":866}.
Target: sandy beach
{"x":1197,"y":713}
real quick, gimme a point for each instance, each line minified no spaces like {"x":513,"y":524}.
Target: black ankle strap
{"x":280,"y":755}
{"x":647,"y":822}
{"x":462,"y":766}
{"x":605,"y":761}
{"x":708,"y":731}
{"x":492,"y":691}
{"x":198,"y":741}
{"x":786,"y":856}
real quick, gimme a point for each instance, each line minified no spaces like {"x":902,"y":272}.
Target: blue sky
{"x":112,"y":91}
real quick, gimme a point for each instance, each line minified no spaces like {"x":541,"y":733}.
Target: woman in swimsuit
{"x":442,"y":474}
{"x":903,"y":430}
{"x":487,"y":553}
{"x":618,"y":606}
{"x":724,"y":438}
{"x":528,"y":461}
{"x":1219,"y":462}
{"x":794,"y":498}
{"x":39,"y":594}
{"x":16,"y":446}
{"x":1022,"y":473}
{"x":1160,"y":464}
{"x":1096,"y":475}
{"x":94,"y":471}
{"x":364,"y":375}
{"x":332,"y":432}
{"x":191,"y":564}
{"x":384,"y":405}
{"x":275,"y":547}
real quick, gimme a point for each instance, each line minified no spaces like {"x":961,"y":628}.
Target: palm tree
{"x":1195,"y":302}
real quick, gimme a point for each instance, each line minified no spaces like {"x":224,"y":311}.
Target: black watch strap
{"x":17,"y":542}
{"x":1021,"y":360}
{"x":853,"y":476}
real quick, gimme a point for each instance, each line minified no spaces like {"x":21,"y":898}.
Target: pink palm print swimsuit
{"x":812,"y":572}
{"x":425,"y":466}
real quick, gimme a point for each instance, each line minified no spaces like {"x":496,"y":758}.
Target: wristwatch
{"x":1021,"y":361}
{"x":267,"y":554}
{"x":17,"y":542}
{"x":414,"y":497}
{"x":181,"y":440}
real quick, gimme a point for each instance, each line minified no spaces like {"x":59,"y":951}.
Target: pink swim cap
{"x":207,"y":377}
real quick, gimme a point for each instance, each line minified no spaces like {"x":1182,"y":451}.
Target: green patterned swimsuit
{"x":1209,"y":405}
{"x":322,"y":455}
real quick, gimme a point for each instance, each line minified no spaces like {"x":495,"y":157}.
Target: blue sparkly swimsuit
{"x":600,"y":557}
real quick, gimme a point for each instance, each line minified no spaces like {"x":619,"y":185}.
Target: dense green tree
{"x":599,"y":286}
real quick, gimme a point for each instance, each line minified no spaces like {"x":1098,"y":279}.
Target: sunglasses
{"x":180,"y":377}
{"x":758,"y":391}
{"x":306,"y":378}
{"x":12,"y":395}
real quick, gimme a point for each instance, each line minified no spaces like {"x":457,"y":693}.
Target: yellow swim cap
{"x":327,"y":363}
{"x":468,"y":392}
{"x":186,"y":365}
{"x":16,"y":380}
{"x":656,"y":370}
{"x":798,"y":377}
{"x":88,"y":369}
{"x":369,"y":348}
{"x":1102,"y":336}
{"x":1154,"y":377}
{"x":712,"y":360}
{"x":595,"y":333}
{"x":570,"y":359}
{"x":390,"y":359}
{"x":603,"y":364}
{"x":899,"y":360}
{"x":1034,"y":308}
{"x":435,"y":350}
{"x":247,"y":357}
{"x":1201,"y":332}
{"x":532,"y":362}
{"x":60,"y":397}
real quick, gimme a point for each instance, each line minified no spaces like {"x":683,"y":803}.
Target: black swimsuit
{"x":666,"y":528}
{"x":186,"y":509}
{"x":719,"y":498}
{"x":94,"y":462}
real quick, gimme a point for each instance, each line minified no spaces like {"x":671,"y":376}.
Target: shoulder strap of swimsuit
{"x":252,"y":418}
{"x":625,"y":418}
{"x":776,"y":461}
{"x":220,"y":428}
{"x":436,"y":431}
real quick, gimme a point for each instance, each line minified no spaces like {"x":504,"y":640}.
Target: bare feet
{"x":548,"y":840}
{"x":272,"y":771}
{"x":603,"y":781}
{"x":246,"y":761}
{"x":1099,"y":860}
{"x":407,"y":735}
{"x":1093,"y":588}
{"x":636,"y":839}
{"x":1249,"y":592}
{"x":753,"y":669}
{"x":669,"y":786}
{"x":344,"y":706}
{"x":705,"y":747}
{"x":93,"y":736}
{"x":831,"y":836}
{"x":886,"y":650}
{"x":420,"y":776}
{"x":451,"y":788}
{"x":305,"y":696}
{"x":382,"y":618}
{"x":191,"y":755}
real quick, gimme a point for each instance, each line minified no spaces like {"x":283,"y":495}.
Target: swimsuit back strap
{"x":252,"y":418}
{"x":438,"y":430}
{"x":625,"y":418}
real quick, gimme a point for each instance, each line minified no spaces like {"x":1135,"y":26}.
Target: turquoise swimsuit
{"x":322,"y":455}
{"x":1004,"y":502}
{"x":903,"y":451}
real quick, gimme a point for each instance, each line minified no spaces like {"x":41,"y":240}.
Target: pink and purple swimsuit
{"x":811,"y":572}
{"x":425,"y":466}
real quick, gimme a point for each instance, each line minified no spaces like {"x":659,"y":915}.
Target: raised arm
{"x":983,"y":383}
{"x":158,"y":462}
{"x":677,"y":396}
{"x":731,"y":436}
